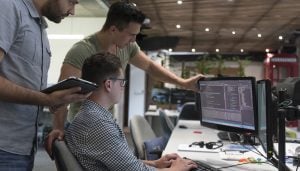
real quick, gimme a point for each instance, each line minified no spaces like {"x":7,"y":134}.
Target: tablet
{"x":86,"y":86}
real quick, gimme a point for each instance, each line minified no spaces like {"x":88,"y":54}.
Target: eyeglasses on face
{"x":123,"y":81}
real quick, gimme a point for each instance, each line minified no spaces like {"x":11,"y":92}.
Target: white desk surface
{"x":187,"y":136}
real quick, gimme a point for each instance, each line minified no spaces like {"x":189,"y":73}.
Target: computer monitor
{"x":265,"y":116}
{"x":228,"y":104}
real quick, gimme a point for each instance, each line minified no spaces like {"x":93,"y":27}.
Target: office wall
{"x":59,"y":47}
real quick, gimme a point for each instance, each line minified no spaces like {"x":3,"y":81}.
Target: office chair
{"x":166,"y":123}
{"x":64,"y":159}
{"x":141,"y":131}
{"x":189,"y":112}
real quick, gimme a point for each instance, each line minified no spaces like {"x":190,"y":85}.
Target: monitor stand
{"x":229,"y":136}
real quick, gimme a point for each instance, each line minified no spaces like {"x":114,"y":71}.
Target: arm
{"x":60,"y":114}
{"x":11,"y":92}
{"x":67,"y":70}
{"x":156,"y":71}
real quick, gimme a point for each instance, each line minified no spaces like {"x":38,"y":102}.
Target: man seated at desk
{"x":95,"y":138}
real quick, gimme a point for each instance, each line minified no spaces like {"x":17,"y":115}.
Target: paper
{"x":196,"y":148}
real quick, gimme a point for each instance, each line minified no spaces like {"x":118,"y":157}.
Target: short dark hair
{"x":121,"y":14}
{"x":101,"y":66}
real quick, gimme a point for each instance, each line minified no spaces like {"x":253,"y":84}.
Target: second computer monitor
{"x":228,"y":104}
{"x":266,"y":118}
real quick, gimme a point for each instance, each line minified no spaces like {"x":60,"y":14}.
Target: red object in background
{"x":280,"y":66}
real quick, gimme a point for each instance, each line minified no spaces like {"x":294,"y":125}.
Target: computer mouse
{"x":182,"y":126}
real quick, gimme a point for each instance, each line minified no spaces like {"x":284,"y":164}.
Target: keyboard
{"x":202,"y":166}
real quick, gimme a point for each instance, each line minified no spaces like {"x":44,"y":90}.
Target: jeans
{"x":15,"y":162}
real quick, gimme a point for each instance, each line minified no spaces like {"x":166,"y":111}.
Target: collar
{"x":34,"y":13}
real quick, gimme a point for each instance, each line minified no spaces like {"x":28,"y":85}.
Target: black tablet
{"x":86,"y":86}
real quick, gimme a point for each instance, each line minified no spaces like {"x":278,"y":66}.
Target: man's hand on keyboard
{"x":180,"y":164}
{"x":166,"y":160}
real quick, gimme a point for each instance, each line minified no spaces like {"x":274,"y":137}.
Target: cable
{"x":234,"y":165}
{"x":285,"y":103}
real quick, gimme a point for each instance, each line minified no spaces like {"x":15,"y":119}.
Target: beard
{"x":52,"y":12}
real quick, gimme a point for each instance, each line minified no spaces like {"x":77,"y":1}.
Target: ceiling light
{"x":267,"y":50}
{"x":193,"y":50}
{"x":217,"y":50}
{"x":170,"y":50}
{"x":179,"y":2}
{"x":242,"y":50}
{"x":65,"y":36}
{"x":207,"y":29}
{"x":233,"y":32}
{"x":280,"y":37}
{"x":178,"y":26}
{"x":258,"y":35}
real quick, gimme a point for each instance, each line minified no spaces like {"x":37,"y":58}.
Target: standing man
{"x":118,"y":36}
{"x":24,"y":62}
{"x":94,"y":136}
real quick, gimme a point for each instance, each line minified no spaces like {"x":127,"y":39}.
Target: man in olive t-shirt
{"x":117,"y":36}
{"x":86,"y":48}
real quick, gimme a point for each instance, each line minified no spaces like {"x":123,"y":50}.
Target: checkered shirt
{"x":98,"y":142}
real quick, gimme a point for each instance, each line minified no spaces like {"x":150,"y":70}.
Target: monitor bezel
{"x":226,"y":127}
{"x":269,"y":117}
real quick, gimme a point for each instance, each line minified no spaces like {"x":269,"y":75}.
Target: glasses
{"x":122,"y":81}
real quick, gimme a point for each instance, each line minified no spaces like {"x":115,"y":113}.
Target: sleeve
{"x":134,"y":49}
{"x":111,"y":149}
{"x":9,"y":22}
{"x":77,"y":54}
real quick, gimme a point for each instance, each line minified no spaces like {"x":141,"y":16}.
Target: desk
{"x":187,"y":136}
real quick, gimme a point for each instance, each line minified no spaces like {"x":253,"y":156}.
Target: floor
{"x":44,"y":163}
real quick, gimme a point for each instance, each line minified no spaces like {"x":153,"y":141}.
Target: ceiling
{"x":248,"y":18}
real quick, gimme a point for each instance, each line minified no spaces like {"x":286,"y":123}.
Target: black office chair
{"x":189,"y":112}
{"x":166,"y":123}
{"x":64,"y":159}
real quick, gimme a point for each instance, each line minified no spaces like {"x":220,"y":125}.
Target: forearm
{"x":59,"y":118}
{"x":11,"y":92}
{"x":160,"y":73}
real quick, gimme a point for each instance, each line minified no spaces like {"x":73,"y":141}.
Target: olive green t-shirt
{"x":86,"y":48}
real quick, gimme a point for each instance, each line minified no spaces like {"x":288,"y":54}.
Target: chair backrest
{"x":189,"y":112}
{"x":141,"y":131}
{"x":64,"y":159}
{"x":166,"y":123}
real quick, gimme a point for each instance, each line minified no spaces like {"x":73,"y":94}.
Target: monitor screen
{"x":228,"y":104}
{"x":264,"y":107}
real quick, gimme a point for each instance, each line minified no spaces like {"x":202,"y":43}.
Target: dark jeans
{"x":15,"y":162}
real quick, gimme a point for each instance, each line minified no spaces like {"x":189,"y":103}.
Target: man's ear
{"x":113,"y":28}
{"x":107,"y":85}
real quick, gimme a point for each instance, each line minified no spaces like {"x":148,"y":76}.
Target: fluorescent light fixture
{"x":179,"y":2}
{"x":65,"y":36}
